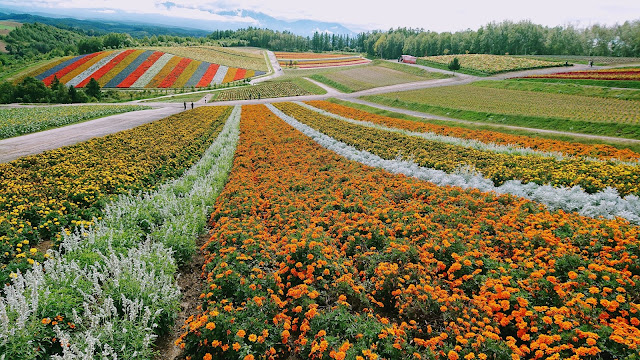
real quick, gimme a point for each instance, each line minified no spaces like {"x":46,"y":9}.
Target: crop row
{"x":492,"y":64}
{"x":524,"y":103}
{"x":140,"y":68}
{"x":608,"y":74}
{"x":499,"y":167}
{"x":262,"y":91}
{"x":20,"y":121}
{"x":313,"y":256}
{"x":111,"y":289}
{"x":598,"y":151}
{"x":41,"y":195}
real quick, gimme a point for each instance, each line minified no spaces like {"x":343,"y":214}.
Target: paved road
{"x":13,"y":148}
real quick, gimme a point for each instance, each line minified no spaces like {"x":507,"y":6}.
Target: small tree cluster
{"x":31,"y":90}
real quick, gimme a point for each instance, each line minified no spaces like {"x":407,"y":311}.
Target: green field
{"x":561,"y":88}
{"x":262,"y":91}
{"x":629,"y":84}
{"x":484,"y":64}
{"x":597,"y":60}
{"x":576,"y":113}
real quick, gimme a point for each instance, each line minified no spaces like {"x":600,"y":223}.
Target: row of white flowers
{"x":127,"y":288}
{"x":607,"y":203}
{"x":510,"y":149}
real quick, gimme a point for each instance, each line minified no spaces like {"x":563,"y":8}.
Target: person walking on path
{"x":185,"y":105}
{"x":191,"y":106}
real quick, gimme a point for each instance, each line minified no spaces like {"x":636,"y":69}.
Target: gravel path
{"x":13,"y":148}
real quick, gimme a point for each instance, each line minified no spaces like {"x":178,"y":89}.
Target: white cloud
{"x":368,"y":15}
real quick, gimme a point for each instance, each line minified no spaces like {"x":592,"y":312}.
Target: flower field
{"x":598,"y":151}
{"x":492,"y":64}
{"x":41,"y":195}
{"x":607,"y":74}
{"x":21,"y":121}
{"x":313,"y":60}
{"x":139,"y":69}
{"x":524,"y":103}
{"x":315,"y":256}
{"x":111,"y":290}
{"x":264,"y":90}
{"x":245,"y":58}
{"x":592,"y":176}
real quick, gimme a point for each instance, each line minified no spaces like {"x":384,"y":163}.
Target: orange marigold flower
{"x":253,"y":337}
{"x":249,"y":357}
{"x":236,"y":346}
{"x":452,"y":355}
{"x":241,"y":333}
{"x":207,"y":356}
{"x":211,"y":326}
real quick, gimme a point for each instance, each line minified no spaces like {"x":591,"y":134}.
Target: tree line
{"x":31,"y":90}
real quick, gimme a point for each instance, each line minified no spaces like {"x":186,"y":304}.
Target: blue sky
{"x":361,"y":15}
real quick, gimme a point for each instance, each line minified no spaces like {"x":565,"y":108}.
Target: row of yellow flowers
{"x":43,"y":194}
{"x":590,"y":175}
{"x":316,"y":257}
{"x":598,"y":151}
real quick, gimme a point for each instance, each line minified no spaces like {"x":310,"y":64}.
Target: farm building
{"x":408,"y":59}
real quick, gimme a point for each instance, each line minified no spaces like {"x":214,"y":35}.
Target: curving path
{"x":13,"y":148}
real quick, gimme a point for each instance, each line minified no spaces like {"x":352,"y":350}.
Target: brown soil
{"x":190,"y":283}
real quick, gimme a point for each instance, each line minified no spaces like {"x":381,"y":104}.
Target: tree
{"x":454,"y":64}
{"x":93,"y":89}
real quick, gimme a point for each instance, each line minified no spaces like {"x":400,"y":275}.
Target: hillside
{"x":139,"y":68}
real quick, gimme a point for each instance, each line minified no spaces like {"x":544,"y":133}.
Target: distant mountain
{"x":97,"y":27}
{"x":139,"y":25}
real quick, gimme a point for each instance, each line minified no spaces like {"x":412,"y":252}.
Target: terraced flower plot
{"x":314,"y":60}
{"x":140,"y":69}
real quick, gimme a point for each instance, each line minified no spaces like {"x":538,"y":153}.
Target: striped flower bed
{"x":136,"y":68}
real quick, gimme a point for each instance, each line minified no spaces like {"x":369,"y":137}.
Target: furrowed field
{"x":315,"y":256}
{"x":41,"y":195}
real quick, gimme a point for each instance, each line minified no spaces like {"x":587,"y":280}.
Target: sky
{"x":364,"y":15}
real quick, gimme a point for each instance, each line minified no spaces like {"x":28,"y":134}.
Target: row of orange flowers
{"x":599,"y":151}
{"x":314,"y":256}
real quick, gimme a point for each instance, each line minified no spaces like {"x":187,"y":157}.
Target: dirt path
{"x":13,"y":148}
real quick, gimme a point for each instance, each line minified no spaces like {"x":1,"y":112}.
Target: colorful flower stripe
{"x":591,"y":176}
{"x":250,"y":74}
{"x":319,"y":65}
{"x":231,"y":73}
{"x":187,"y":73}
{"x":198,"y":74}
{"x":53,"y":67}
{"x":106,"y":68}
{"x":67,"y":69}
{"x":240,"y":74}
{"x":133,"y":77}
{"x":608,"y":74}
{"x":104,"y":80}
{"x":599,"y":151}
{"x":84,"y":76}
{"x":129,"y":69}
{"x":175,"y":73}
{"x":258,"y":73}
{"x":164,"y":72}
{"x":80,"y":69}
{"x":220,"y":75}
{"x":207,"y":78}
{"x":315,"y":257}
{"x":146,"y":78}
